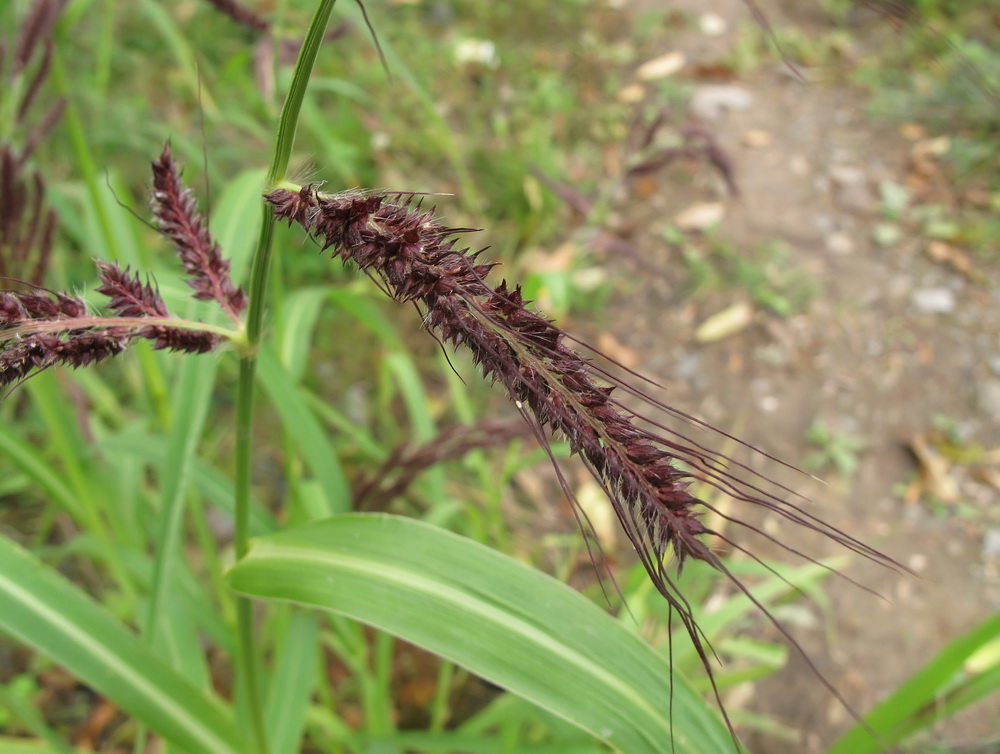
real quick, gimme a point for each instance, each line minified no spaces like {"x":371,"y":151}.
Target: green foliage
{"x":488,"y":613}
{"x":765,"y":272}
{"x":837,"y":450}
{"x":963,"y":672}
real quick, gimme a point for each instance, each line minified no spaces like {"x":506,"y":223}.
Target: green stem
{"x":246,"y":665}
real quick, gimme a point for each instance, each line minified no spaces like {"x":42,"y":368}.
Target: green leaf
{"x":491,"y":614}
{"x":210,"y":481}
{"x":437,"y":742}
{"x":942,"y":687}
{"x":292,"y":684}
{"x":19,"y":452}
{"x":29,"y":746}
{"x":47,"y":613}
{"x":190,"y":399}
{"x":357,"y":301}
{"x":305,"y":431}
{"x":236,"y":220}
{"x":784,"y":580}
{"x":299,"y":313}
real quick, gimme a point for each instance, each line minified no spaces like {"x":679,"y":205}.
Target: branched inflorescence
{"x":39,"y":328}
{"x":44,"y":329}
{"x":39,"y":350}
{"x":416,"y":259}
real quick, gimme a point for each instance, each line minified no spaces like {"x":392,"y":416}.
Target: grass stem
{"x":246,"y":666}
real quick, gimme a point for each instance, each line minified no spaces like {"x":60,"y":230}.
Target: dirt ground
{"x":896,"y":338}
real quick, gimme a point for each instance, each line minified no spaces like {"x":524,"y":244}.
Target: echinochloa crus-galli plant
{"x":645,"y":468}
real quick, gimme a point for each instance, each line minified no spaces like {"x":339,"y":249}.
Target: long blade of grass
{"x":293,"y":682}
{"x":491,"y":614}
{"x":357,"y":301}
{"x":30,"y":718}
{"x":299,"y":313}
{"x":190,"y":407}
{"x":914,"y":705}
{"x":185,"y":57}
{"x":31,"y":746}
{"x":786,"y":580}
{"x":210,"y":482}
{"x":304,"y":429}
{"x":16,"y":449}
{"x":39,"y":608}
{"x":236,"y":220}
{"x":440,"y":742}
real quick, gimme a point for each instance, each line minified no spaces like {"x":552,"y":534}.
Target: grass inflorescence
{"x":646,"y":472}
{"x":40,"y":329}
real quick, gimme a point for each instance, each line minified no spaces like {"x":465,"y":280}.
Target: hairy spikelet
{"x":132,"y":298}
{"x":41,"y":328}
{"x":129,"y":296}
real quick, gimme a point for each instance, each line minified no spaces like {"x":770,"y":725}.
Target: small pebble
{"x":712,"y":102}
{"x":757,"y":139}
{"x":712,"y":24}
{"x":631,"y":94}
{"x":839,"y":243}
{"x":991,"y":543}
{"x":934,"y":300}
{"x":799,"y":165}
{"x":661,"y":67}
{"x":848,"y":175}
{"x":988,"y":397}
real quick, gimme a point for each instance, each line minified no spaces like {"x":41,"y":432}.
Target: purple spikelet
{"x":27,"y":224}
{"x":40,"y":329}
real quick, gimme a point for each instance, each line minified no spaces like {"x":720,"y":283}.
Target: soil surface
{"x":894,"y":345}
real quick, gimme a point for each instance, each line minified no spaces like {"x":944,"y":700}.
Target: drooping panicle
{"x":177,"y":218}
{"x":513,"y":345}
{"x":645,"y":467}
